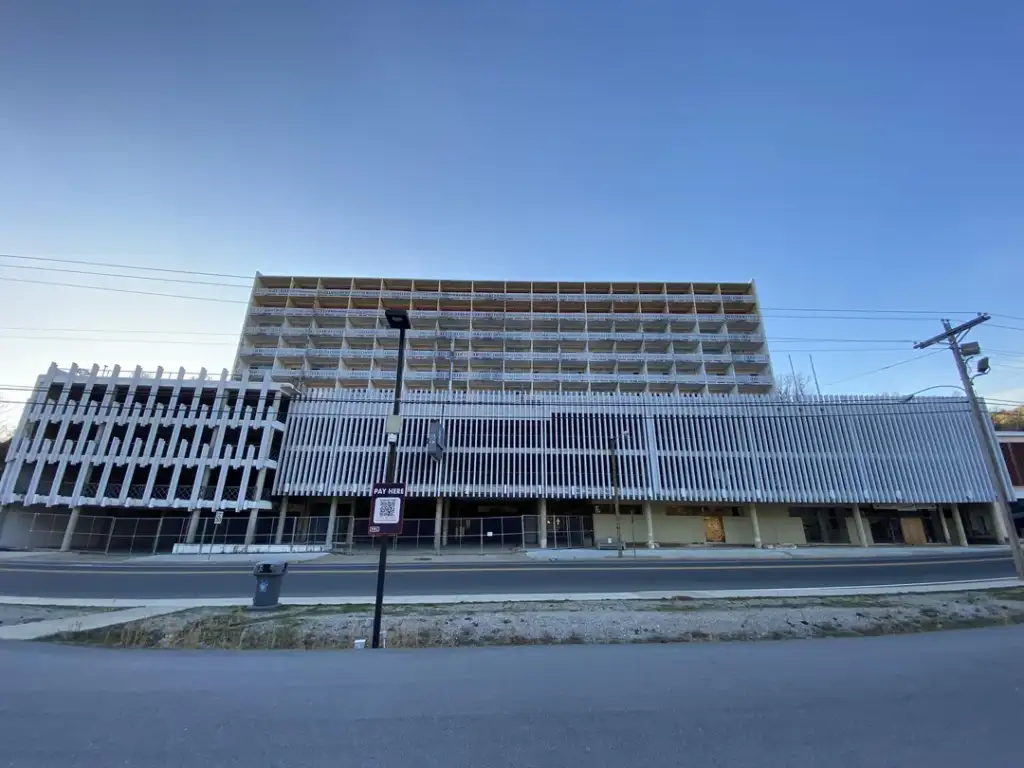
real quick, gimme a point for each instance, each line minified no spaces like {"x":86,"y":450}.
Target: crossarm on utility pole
{"x":983,"y":428}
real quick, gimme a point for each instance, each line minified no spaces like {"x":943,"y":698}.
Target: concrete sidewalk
{"x":362,"y":557}
{"x":778,"y":553}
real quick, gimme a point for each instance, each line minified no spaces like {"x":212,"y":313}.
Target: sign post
{"x":389,"y":497}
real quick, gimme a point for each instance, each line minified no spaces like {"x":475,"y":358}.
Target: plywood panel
{"x":913,"y":530}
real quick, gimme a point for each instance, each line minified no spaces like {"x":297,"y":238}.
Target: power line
{"x":124,"y":290}
{"x":125,"y":266}
{"x":869,"y":311}
{"x":122,"y":276}
{"x":884,"y":368}
{"x":116,"y":341}
{"x":116,"y":330}
{"x":802,"y":339}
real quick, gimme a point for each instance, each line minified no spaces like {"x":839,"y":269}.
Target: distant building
{"x":668,"y":338}
{"x":1011,"y":444}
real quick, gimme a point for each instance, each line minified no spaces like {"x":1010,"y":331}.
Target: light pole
{"x":438,"y":523}
{"x":613,"y":455}
{"x":397,"y":319}
{"x":983,"y":427}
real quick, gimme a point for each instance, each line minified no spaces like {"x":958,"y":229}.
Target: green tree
{"x":1010,"y":419}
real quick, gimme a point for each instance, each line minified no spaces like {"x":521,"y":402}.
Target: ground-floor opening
{"x":491,"y":525}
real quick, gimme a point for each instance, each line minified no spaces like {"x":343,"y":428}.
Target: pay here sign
{"x":388,"y":501}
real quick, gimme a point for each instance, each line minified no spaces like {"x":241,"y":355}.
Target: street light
{"x":613,"y":444}
{"x":912,"y":395}
{"x":397,"y":319}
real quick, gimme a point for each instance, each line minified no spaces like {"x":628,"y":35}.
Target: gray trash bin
{"x":268,"y":584}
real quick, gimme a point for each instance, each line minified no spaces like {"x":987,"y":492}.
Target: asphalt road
{"x":142,"y":580}
{"x":938,"y":700}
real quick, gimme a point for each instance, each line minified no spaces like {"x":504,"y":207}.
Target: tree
{"x":1010,"y":419}
{"x":6,"y":430}
{"x":793,"y":386}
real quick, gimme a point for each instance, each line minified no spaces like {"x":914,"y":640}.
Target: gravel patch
{"x":677,"y":620}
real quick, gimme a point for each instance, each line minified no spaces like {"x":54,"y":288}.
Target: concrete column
{"x":861,"y":529}
{"x":69,"y":532}
{"x":961,"y":534}
{"x":250,"y":528}
{"x":3,"y":519}
{"x":755,"y":523}
{"x":542,"y":523}
{"x":159,"y":528}
{"x":279,"y":534}
{"x":999,"y":524}
{"x":350,"y":534}
{"x":823,"y":526}
{"x":438,"y":522}
{"x":444,"y":522}
{"x":332,"y":521}
{"x":945,"y":526}
{"x":193,"y":526}
{"x":649,"y":520}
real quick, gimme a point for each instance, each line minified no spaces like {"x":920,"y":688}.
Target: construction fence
{"x":153,"y":535}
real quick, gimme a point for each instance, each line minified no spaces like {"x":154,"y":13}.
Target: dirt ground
{"x":672,"y":620}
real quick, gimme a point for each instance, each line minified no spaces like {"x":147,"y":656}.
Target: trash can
{"x":268,"y":584}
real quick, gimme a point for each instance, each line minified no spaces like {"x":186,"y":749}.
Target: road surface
{"x":193,"y":580}
{"x":941,"y":700}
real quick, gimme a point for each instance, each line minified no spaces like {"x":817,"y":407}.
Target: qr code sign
{"x":387,"y":511}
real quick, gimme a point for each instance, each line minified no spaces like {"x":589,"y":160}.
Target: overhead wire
{"x":884,"y":368}
{"x":125,"y":266}
{"x":858,"y":313}
{"x":65,"y":271}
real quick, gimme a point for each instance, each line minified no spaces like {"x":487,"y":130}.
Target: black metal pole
{"x":389,"y":477}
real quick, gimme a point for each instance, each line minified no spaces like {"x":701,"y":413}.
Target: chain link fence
{"x":155,"y":534}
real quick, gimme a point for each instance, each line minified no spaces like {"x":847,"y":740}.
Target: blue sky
{"x":845,"y":155}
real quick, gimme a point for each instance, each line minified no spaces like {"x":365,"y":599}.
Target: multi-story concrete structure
{"x":143,"y":460}
{"x":691,"y":338}
{"x":145,"y":444}
{"x":553,"y":386}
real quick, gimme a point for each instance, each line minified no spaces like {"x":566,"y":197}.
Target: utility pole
{"x":983,"y":427}
{"x":614,"y":457}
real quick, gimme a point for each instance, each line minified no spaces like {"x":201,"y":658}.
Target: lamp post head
{"x":397,"y":319}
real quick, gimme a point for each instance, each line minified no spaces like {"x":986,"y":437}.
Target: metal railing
{"x":181,"y":493}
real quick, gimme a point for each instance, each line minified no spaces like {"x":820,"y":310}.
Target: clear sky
{"x":845,"y":155}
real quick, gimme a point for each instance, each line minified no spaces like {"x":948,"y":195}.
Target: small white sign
{"x":219,"y":517}
{"x":387,"y":510}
